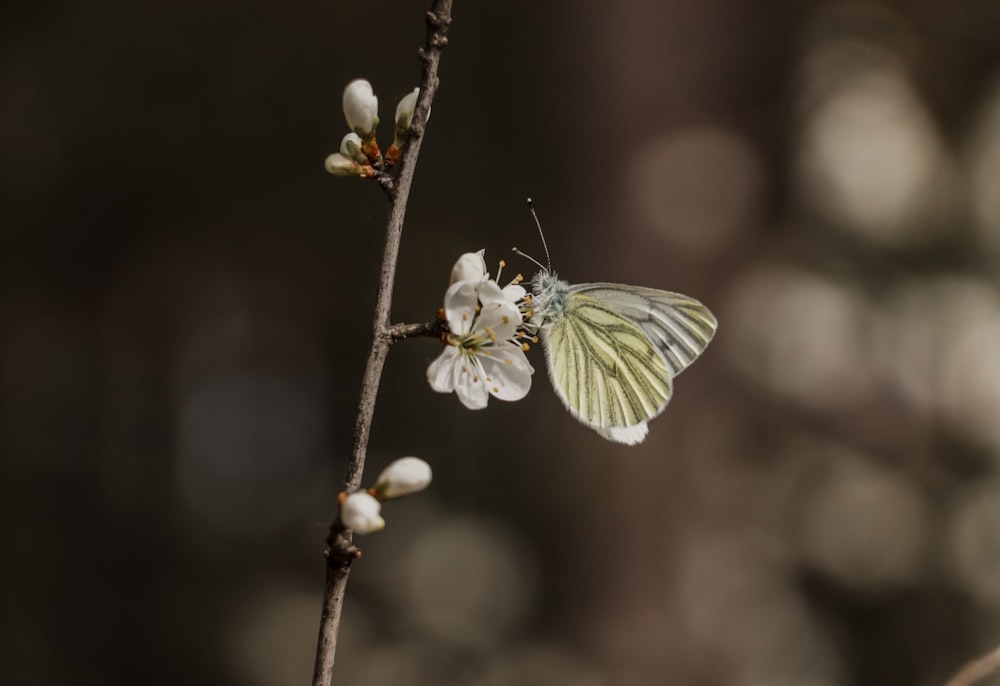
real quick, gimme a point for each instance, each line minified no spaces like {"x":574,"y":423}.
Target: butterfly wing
{"x":680,"y":327}
{"x":605,"y":367}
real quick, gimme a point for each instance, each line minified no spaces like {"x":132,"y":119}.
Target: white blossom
{"x":402,"y":477}
{"x":360,"y":512}
{"x":361,"y":108}
{"x":480,"y":358}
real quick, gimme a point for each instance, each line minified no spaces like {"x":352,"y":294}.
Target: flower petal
{"x":470,"y":267}
{"x":508,"y":371}
{"x":441,"y":372}
{"x":460,"y":306}
{"x":470,"y":384}
{"x":514,"y":293}
{"x":502,"y":318}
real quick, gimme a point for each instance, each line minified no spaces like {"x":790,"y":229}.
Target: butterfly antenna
{"x":534,"y":215}
{"x":528,"y":257}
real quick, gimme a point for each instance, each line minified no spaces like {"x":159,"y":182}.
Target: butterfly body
{"x":613,"y":350}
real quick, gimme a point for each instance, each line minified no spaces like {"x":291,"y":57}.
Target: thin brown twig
{"x":424,"y":329}
{"x":341,"y":551}
{"x":977,"y":669}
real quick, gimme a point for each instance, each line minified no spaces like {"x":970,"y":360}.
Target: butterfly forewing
{"x":680,"y":327}
{"x":604,"y":365}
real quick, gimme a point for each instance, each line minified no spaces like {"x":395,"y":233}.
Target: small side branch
{"x":433,"y":329}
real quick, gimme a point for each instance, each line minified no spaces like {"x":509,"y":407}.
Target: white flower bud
{"x":361,"y":108}
{"x":404,"y":476}
{"x":404,"y":110}
{"x":470,"y":267}
{"x":339,"y":164}
{"x":351,"y":147}
{"x":360,"y":513}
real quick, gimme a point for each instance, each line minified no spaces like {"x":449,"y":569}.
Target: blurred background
{"x":186,"y":304}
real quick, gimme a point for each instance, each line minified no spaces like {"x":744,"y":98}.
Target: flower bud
{"x":339,"y":164}
{"x":360,"y":513}
{"x":351,"y":146}
{"x":404,"y":116}
{"x":361,"y":108}
{"x":470,"y":267}
{"x":402,"y":477}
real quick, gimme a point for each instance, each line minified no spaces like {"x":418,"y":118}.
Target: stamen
{"x":525,"y":347}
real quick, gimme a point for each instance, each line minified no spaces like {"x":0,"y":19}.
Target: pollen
{"x":475,"y":378}
{"x":465,"y":370}
{"x":488,"y":353}
{"x":496,"y":390}
{"x":506,"y":319}
{"x":509,"y":361}
{"x":519,"y":278}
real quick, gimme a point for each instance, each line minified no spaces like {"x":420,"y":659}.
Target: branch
{"x":342,"y":552}
{"x":433,"y":329}
{"x":977,"y":669}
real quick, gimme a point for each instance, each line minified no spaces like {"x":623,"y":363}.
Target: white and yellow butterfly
{"x":613,"y":350}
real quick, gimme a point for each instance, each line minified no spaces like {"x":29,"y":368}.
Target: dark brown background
{"x":186,"y":300}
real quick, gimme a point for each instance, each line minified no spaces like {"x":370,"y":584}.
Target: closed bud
{"x":351,"y":146}
{"x":404,"y":116}
{"x":402,"y":477}
{"x":339,"y":164}
{"x":361,"y":108}
{"x":360,"y":513}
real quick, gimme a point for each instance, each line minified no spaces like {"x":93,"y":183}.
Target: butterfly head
{"x":548,"y":295}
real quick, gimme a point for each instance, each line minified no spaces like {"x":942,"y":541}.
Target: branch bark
{"x":341,"y":550}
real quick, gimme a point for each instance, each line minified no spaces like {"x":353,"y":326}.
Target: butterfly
{"x":613,"y":350}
